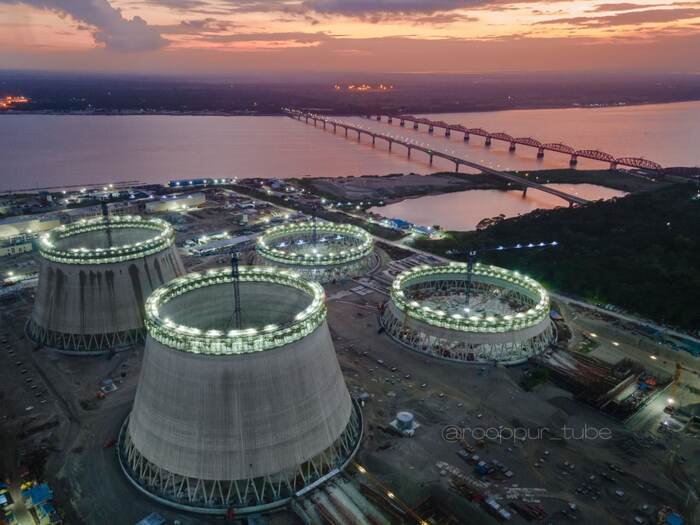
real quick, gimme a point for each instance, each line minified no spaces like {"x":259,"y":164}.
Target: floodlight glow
{"x":246,"y":340}
{"x":163,"y":237}
{"x":534,"y":314}
{"x":285,"y":236}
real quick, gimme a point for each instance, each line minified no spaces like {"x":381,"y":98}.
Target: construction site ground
{"x":604,"y":480}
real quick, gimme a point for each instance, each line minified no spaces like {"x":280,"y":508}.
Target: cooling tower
{"x":238,"y":415}
{"x":94,"y":278}
{"x":504,"y":319}
{"x":318,"y":250}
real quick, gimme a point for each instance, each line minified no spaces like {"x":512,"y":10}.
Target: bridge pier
{"x":402,"y":123}
{"x":511,"y":147}
{"x":540,"y":153}
{"x":574,"y":160}
{"x":488,"y":141}
{"x":447,"y":132}
{"x":613,"y":165}
{"x":415,"y":125}
{"x":430,"y":129}
{"x":466,"y":137}
{"x":379,"y":118}
{"x":513,"y":180}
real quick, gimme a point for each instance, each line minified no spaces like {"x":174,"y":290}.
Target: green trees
{"x":640,"y":252}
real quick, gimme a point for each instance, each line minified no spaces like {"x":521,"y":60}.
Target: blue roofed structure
{"x":674,"y":519}
{"x":152,"y":519}
{"x":37,"y":495}
{"x":400,"y":224}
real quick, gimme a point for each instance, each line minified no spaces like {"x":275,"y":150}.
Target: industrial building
{"x":318,"y":250}
{"x":486,"y":314}
{"x":176,"y":202}
{"x":241,"y":403}
{"x":27,"y":224}
{"x":94,"y":278}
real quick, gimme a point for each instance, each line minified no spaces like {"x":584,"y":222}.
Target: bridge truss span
{"x":557,"y":147}
{"x":517,"y":181}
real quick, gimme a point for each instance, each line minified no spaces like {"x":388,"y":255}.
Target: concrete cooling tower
{"x":241,"y":402}
{"x":94,"y":278}
{"x":488,"y":315}
{"x":318,"y":250}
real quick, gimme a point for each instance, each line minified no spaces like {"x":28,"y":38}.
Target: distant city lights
{"x":10,"y":101}
{"x":363,"y":87}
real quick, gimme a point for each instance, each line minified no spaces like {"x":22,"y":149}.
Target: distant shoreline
{"x":329,"y":111}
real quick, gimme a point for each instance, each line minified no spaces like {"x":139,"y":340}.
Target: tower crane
{"x":236,"y":276}
{"x":314,"y":233}
{"x":105,"y":216}
{"x":670,"y":408}
{"x":472,"y":254}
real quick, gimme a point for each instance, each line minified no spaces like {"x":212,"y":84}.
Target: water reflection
{"x":465,"y":209}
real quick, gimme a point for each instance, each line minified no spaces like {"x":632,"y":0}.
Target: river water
{"x":463,"y":210}
{"x":53,"y":150}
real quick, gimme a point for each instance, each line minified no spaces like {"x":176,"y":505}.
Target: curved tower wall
{"x":505,"y":338}
{"x":235,"y":417}
{"x":352,"y":256}
{"x":238,"y":416}
{"x":89,"y":308}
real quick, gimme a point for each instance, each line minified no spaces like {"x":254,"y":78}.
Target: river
{"x":463,"y":210}
{"x":50,"y":150}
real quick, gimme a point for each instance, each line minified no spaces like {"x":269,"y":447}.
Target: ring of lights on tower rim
{"x":327,"y":253}
{"x":428,"y":311}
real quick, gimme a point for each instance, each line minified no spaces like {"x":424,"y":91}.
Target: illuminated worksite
{"x":318,"y":250}
{"x":94,"y":278}
{"x":482,"y":314}
{"x":241,"y":403}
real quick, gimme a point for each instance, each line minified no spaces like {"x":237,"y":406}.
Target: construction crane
{"x":236,"y":280}
{"x":314,"y":233}
{"x":105,"y":216}
{"x":472,"y":255}
{"x":670,"y":407}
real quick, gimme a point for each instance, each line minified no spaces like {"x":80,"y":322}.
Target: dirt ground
{"x":76,"y":431}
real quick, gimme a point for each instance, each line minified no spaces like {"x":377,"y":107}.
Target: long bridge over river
{"x":559,"y":147}
{"x":431,"y":153}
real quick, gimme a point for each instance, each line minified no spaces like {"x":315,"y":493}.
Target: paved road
{"x":625,"y":317}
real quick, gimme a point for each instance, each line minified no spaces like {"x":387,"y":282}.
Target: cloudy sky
{"x":229,"y":36}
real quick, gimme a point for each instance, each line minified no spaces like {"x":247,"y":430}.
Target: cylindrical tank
{"x":94,"y":278}
{"x":245,"y":415}
{"x":404,"y":420}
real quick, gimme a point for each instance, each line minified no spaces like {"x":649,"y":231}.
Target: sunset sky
{"x":229,"y":36}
